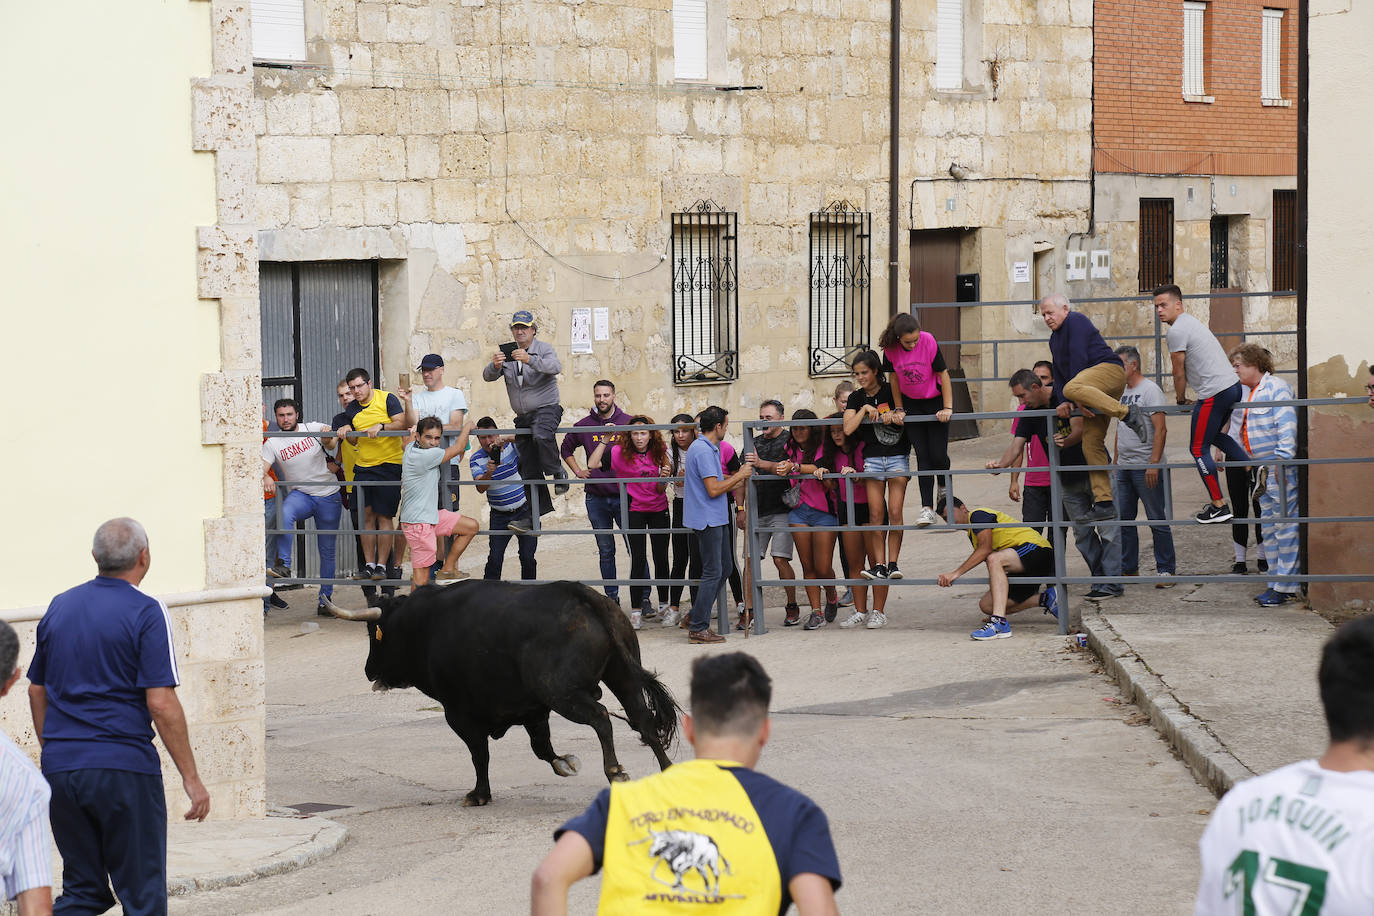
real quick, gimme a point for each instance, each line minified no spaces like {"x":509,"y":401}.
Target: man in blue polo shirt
{"x":104,"y":672}
{"x":496,"y":460}
{"x":705,"y":509}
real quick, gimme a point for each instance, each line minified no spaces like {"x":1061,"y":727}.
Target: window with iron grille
{"x":705,"y":246}
{"x":839,"y":287}
{"x":1285,"y":274}
{"x":1221,"y":252}
{"x":1156,"y":242}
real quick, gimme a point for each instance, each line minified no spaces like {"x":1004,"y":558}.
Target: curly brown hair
{"x":1252,"y":354}
{"x":657,"y":450}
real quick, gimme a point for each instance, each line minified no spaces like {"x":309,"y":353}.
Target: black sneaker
{"x":376,"y":572}
{"x":1098,"y":594}
{"x":362,"y":572}
{"x":877,"y":572}
{"x":831,"y":609}
{"x":1263,"y":564}
{"x":1212,"y":515}
{"x":1105,"y":511}
{"x":1135,"y":420}
{"x":1238,"y":568}
{"x":815,"y":621}
{"x":561,"y":485}
{"x":279,"y":571}
{"x":277,"y":601}
{"x":517,"y":528}
{"x":893,"y":572}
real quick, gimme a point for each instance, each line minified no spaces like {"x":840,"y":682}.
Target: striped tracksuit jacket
{"x":1272,"y":432}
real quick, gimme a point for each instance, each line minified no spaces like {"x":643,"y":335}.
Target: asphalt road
{"x":959,"y":777}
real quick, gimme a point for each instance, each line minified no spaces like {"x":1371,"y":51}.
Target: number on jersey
{"x":1309,"y":884}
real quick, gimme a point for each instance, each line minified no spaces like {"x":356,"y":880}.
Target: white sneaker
{"x":853,"y":620}
{"x":671,"y":617}
{"x":636,"y":619}
{"x":875,"y":620}
{"x":927,"y":518}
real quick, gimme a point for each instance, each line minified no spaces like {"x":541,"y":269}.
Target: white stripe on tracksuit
{"x":1273,"y":433}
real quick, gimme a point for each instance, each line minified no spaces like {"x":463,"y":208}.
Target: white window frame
{"x":1271,"y":55}
{"x":278,"y":29}
{"x":1194,"y":48}
{"x":949,"y":44}
{"x":691,"y":48}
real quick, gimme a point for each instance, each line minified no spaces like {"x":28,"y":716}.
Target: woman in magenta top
{"x":642,"y":453}
{"x":846,"y":455}
{"x":920,"y":388}
{"x":815,"y":549}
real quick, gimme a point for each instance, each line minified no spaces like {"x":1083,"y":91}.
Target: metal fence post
{"x":1060,"y":534}
{"x":752,"y":558}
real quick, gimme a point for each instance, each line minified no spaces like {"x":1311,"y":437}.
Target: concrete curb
{"x":326,"y":839}
{"x":1212,"y":763}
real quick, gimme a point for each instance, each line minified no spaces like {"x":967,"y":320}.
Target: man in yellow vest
{"x":1014,"y":551}
{"x":706,"y":832}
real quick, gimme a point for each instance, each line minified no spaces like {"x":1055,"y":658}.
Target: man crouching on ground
{"x":1005,"y":551}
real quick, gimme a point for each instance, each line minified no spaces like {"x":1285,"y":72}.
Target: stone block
{"x":369,"y":157}
{"x":346,"y":204}
{"x":235,"y":179}
{"x":272,"y":205}
{"x":422,"y":157}
{"x":231,"y":51}
{"x":228,"y":751}
{"x":414,"y":202}
{"x":422,"y":111}
{"x":367,"y":111}
{"x":409,"y":23}
{"x":324,"y":113}
{"x":309,"y":206}
{"x":233,"y":544}
{"x":288,"y":113}
{"x":216,"y":692}
{"x":455,"y":200}
{"x":289,"y":159}
{"x":379,"y":203}
{"x":226,"y":261}
{"x":698,"y":156}
{"x":230,"y":407}
{"x":240,"y":343}
{"x":462,"y":108}
{"x":464,"y":156}
{"x":221,"y":113}
{"x":372,"y":22}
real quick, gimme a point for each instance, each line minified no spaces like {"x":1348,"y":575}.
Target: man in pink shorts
{"x":421,"y":519}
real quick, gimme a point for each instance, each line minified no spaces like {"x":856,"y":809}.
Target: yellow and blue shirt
{"x":1022,"y":540}
{"x":704,"y":836}
{"x":380,"y":409}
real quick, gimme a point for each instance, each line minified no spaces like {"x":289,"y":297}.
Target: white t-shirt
{"x":1130,"y":448}
{"x":441,"y":404}
{"x":1206,"y":365}
{"x":301,"y":460}
{"x":1300,"y":833}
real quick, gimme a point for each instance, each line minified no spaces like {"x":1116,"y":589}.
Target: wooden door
{"x":934,"y":269}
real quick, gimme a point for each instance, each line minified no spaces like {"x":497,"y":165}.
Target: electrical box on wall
{"x":1077,"y":267}
{"x":1102,"y":264}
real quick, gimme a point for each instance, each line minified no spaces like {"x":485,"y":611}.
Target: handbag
{"x":791,"y":498}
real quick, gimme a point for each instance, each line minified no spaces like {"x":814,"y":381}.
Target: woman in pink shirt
{"x":815,"y":549}
{"x":920,"y":388}
{"x":846,"y":455}
{"x":642,"y":453}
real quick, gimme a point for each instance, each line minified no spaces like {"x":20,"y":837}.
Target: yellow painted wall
{"x":106,"y":338}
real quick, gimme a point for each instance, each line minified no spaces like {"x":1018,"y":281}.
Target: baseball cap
{"x":431,"y":361}
{"x":521,"y":317}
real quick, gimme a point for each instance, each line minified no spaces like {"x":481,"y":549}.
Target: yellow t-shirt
{"x":380,"y":409}
{"x":1003,"y":538}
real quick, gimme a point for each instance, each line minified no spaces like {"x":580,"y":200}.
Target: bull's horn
{"x":371,"y":613}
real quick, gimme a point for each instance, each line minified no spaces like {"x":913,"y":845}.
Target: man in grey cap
{"x":531,"y":369}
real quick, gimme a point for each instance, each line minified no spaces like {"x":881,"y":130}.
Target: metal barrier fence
{"x":1058,"y":525}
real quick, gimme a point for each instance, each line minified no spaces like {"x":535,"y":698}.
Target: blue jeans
{"x":325,"y":510}
{"x":1127,"y":488}
{"x":1100,"y":547}
{"x":497,"y":543}
{"x":717,"y":559}
{"x":604,"y":514}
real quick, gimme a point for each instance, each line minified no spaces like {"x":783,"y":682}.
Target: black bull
{"x":498,"y":654}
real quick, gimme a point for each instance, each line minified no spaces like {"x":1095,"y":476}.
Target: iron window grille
{"x":1221,"y":252}
{"x":705,"y":257}
{"x":1156,"y":242}
{"x":1285,"y":276}
{"x":840,"y":283}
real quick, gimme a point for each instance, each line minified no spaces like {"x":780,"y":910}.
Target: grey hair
{"x":9,"y":651}
{"x":117,"y":545}
{"x":1128,"y":353}
{"x":1058,"y":300}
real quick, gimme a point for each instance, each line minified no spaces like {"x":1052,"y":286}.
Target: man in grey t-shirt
{"x":1147,"y":485}
{"x":1200,"y":361}
{"x":421,"y":519}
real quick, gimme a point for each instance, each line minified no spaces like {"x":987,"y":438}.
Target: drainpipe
{"x":1300,"y":269}
{"x":894,"y":148}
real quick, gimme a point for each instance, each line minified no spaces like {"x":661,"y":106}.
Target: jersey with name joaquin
{"x":704,"y":836}
{"x":1299,"y":840}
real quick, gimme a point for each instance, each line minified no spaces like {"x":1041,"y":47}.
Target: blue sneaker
{"x":996,"y":628}
{"x":1049,"y":600}
{"x":1271,"y":598}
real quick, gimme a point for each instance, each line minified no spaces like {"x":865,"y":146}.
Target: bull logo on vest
{"x":685,"y":853}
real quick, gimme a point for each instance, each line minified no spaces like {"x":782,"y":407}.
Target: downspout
{"x":1300,"y":269}
{"x":894,"y":149}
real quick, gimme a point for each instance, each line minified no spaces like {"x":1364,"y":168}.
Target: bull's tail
{"x":663,"y":709}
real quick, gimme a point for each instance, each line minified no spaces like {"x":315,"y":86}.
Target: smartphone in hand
{"x":509,"y":348}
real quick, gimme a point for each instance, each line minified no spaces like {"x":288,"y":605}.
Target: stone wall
{"x":501,"y":156}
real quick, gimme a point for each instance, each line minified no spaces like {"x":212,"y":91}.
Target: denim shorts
{"x":893,"y":465}
{"x":809,"y":516}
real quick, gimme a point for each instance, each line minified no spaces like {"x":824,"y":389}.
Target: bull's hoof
{"x":618,"y":775}
{"x":474,"y":800}
{"x":566,"y":765}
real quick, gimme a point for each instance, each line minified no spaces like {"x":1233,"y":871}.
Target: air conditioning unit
{"x":1077,"y":268}
{"x":1102,"y":264}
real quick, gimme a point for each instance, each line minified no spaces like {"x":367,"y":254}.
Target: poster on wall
{"x":1020,"y":272}
{"x":581,"y":331}
{"x":601,"y":323}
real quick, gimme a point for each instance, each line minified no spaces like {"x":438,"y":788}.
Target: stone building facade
{"x":489,"y":157}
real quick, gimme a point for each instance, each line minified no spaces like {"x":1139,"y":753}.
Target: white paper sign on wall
{"x":1020,"y":272}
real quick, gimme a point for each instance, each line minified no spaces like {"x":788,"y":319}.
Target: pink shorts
{"x":420,"y":536}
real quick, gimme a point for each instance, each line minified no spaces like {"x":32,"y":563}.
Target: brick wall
{"x":1140,"y":119}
